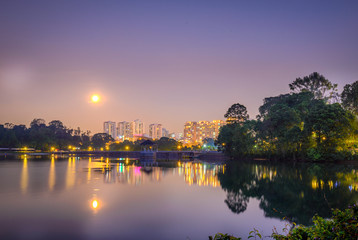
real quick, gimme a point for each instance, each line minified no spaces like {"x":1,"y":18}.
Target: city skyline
{"x":174,"y":61}
{"x":193,"y":132}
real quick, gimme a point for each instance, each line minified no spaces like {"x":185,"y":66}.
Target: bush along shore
{"x":342,"y":225}
{"x":312,"y":122}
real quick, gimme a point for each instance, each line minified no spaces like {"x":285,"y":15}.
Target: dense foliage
{"x":342,"y":225}
{"x":307,"y":123}
{"x":162,"y":144}
{"x":42,"y":137}
{"x":350,"y":97}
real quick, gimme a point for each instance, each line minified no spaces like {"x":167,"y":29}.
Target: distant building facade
{"x":134,"y":130}
{"x":110,"y":128}
{"x":155,"y":131}
{"x":137,"y":128}
{"x":196,"y":132}
{"x":124,"y":131}
{"x":165,"y":133}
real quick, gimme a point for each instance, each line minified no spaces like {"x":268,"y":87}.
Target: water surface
{"x":110,"y":198}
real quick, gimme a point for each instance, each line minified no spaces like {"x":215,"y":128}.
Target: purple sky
{"x":165,"y":61}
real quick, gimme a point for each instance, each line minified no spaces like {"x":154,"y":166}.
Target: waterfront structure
{"x":196,"y":132}
{"x":155,"y":131}
{"x":110,"y":128}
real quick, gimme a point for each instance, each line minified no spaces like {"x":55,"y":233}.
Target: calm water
{"x":109,"y":198}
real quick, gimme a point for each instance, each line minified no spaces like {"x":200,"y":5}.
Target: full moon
{"x":95,"y":98}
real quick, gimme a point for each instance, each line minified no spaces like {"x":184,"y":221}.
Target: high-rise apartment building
{"x":110,"y":128}
{"x":190,"y":132}
{"x":155,"y":131}
{"x":124,"y":130}
{"x":165,"y":133}
{"x":196,"y":132}
{"x":137,"y":128}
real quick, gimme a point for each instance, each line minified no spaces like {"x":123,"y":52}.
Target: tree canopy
{"x":317,"y":84}
{"x":302,"y":124}
{"x":236,"y":113}
{"x":349,"y":97}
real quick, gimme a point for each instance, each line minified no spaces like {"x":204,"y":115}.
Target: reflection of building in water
{"x":131,"y":174}
{"x":200,"y":174}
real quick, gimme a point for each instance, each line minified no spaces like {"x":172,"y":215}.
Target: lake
{"x":69,"y":197}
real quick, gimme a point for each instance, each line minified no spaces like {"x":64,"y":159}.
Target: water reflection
{"x":71,"y":171}
{"x":295,"y":192}
{"x":52,"y":174}
{"x":200,"y":173}
{"x":24,"y":182}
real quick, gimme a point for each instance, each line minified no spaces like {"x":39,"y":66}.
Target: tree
{"x":56,"y":124}
{"x":349,"y":97}
{"x":37,"y":122}
{"x":330,"y":126}
{"x":100,"y":139}
{"x":236,"y":113}
{"x":166,"y":144}
{"x":321,"y":87}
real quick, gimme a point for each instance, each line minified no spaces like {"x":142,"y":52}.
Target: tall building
{"x":137,"y":128}
{"x":110,"y":128}
{"x":196,"y":132}
{"x":190,"y":132}
{"x":124,"y":130}
{"x":165,"y":133}
{"x":155,"y":131}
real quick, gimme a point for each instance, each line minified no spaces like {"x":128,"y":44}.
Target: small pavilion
{"x":148,"y":146}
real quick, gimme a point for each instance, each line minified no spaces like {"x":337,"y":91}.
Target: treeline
{"x":313,"y":122}
{"x":43,"y":137}
{"x":162,"y":144}
{"x":56,"y":136}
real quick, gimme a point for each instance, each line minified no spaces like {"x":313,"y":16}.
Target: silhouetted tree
{"x":350,"y":97}
{"x":317,"y":84}
{"x":236,"y":113}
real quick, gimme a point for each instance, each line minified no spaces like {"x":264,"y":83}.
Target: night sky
{"x":165,"y":61}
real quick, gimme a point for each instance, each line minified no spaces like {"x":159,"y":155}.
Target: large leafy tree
{"x":349,"y":97}
{"x":317,"y":84}
{"x":281,"y":127}
{"x":330,"y":125}
{"x":100,"y":139}
{"x":236,"y":113}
